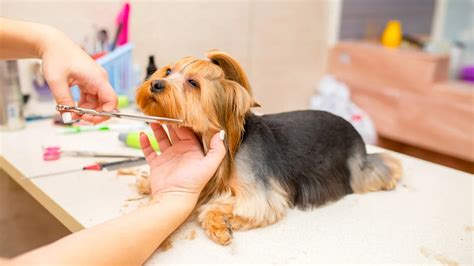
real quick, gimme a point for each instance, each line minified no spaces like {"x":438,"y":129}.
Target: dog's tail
{"x":378,"y":171}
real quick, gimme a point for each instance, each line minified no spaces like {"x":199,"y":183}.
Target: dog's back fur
{"x":307,"y":152}
{"x":300,"y":159}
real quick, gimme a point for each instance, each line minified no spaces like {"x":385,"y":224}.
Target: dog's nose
{"x":157,"y":86}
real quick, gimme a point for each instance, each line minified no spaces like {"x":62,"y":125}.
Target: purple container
{"x":467,"y":74}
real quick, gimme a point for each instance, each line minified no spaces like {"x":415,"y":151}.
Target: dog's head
{"x":208,"y":94}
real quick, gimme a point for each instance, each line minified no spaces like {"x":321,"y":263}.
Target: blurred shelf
{"x":408,"y":96}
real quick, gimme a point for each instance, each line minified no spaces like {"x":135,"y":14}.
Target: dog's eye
{"x":193,"y":83}
{"x":168,"y":72}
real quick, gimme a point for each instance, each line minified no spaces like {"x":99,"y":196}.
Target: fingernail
{"x":67,"y":117}
{"x":142,"y":133}
{"x":221,"y":135}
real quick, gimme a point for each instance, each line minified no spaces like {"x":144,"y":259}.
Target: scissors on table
{"x":52,"y":153}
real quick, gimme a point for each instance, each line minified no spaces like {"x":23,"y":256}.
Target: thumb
{"x":217,"y":150}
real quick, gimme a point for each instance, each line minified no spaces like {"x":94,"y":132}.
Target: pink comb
{"x":122,"y":19}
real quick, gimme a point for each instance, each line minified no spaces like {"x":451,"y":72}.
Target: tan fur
{"x":246,"y":205}
{"x":258,"y":205}
{"x":255,"y":208}
{"x":143,"y":186}
{"x":142,"y":182}
{"x":373,"y":181}
{"x":218,"y":103}
{"x":214,"y":217}
{"x":232,"y":70}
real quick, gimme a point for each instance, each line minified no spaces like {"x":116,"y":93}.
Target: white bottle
{"x":11,"y":99}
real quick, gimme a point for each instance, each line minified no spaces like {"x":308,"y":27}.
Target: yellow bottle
{"x":392,"y":35}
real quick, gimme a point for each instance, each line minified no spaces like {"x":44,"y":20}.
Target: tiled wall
{"x":282,"y":44}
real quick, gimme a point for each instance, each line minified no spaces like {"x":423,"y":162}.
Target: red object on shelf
{"x":98,"y":55}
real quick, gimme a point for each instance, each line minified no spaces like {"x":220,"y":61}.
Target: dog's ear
{"x":234,"y":104}
{"x":232,"y":70}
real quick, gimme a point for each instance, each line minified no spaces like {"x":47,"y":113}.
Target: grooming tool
{"x":121,"y":35}
{"x":122,"y":20}
{"x":145,"y":118}
{"x":123,"y":101}
{"x":116,"y":165}
{"x":102,"y":41}
{"x":100,"y":166}
{"x":86,"y":128}
{"x":53,"y":153}
{"x":32,"y":118}
{"x":132,"y":139}
{"x":117,"y":34}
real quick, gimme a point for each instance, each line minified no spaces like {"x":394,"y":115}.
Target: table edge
{"x":49,"y":204}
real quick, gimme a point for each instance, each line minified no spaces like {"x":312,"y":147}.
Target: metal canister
{"x":11,"y":99}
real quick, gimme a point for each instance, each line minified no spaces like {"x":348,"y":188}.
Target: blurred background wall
{"x":281,"y":44}
{"x":366,"y":19}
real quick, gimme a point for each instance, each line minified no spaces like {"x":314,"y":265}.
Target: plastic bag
{"x":334,"y":96}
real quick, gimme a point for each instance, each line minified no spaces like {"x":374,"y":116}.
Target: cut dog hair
{"x":300,"y":159}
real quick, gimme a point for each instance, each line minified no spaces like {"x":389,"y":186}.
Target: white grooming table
{"x":427,"y":219}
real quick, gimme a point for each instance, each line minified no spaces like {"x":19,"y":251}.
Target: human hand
{"x":65,"y":65}
{"x":181,"y":170}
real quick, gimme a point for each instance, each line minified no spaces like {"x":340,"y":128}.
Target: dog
{"x":300,"y":159}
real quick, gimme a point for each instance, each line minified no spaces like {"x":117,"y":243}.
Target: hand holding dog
{"x":182,"y":170}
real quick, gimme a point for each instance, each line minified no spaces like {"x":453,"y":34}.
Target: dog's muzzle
{"x":157,"y":86}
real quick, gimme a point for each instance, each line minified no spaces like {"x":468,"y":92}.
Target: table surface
{"x":428,"y":218}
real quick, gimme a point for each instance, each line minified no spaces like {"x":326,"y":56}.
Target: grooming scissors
{"x":52,"y":153}
{"x":146,"y":118}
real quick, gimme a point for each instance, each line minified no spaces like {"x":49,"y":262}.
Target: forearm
{"x":20,"y":39}
{"x":130,"y":239}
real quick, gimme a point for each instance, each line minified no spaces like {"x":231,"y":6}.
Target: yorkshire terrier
{"x":300,"y":159}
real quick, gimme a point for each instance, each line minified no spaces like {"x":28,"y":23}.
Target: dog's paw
{"x":240,"y":224}
{"x":390,"y":184}
{"x":218,"y":228}
{"x":396,"y":171}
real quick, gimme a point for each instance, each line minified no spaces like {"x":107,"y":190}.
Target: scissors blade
{"x":145,"y":118}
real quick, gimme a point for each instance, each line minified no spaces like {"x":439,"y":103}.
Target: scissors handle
{"x":146,"y":118}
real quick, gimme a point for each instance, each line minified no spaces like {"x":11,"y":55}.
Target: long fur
{"x":274,"y":162}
